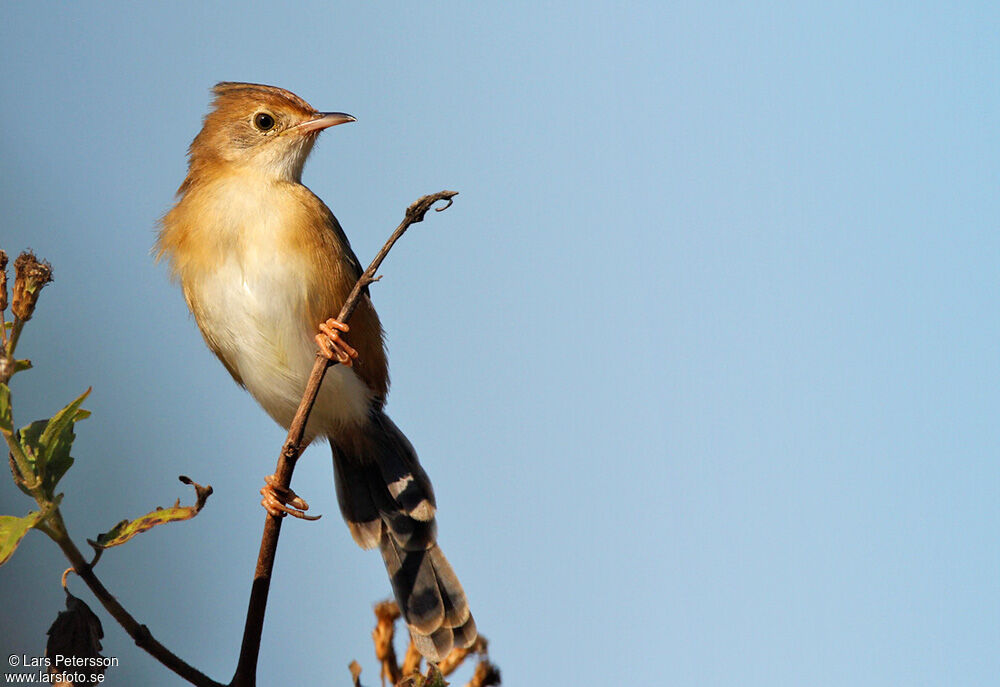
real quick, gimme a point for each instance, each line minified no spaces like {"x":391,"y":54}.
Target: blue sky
{"x":703,"y":361}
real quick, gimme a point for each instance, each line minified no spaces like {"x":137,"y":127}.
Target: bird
{"x":264,"y":265}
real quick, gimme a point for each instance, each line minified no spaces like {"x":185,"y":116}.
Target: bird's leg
{"x":279,"y":501}
{"x":332,"y":344}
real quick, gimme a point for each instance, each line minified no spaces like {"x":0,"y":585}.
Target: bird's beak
{"x":322,"y":121}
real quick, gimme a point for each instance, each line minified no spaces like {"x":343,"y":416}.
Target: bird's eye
{"x":263,"y":121}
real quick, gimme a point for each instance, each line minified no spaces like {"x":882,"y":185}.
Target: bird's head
{"x":260,"y":129}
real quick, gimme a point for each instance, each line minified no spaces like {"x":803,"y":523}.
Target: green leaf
{"x":12,"y":531}
{"x":46,"y":444}
{"x":58,"y":438}
{"x":64,"y":419}
{"x":28,"y":437}
{"x":126,"y":529}
{"x":21,"y":365}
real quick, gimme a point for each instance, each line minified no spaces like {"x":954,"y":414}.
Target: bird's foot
{"x":332,"y":344}
{"x":280,"y":501}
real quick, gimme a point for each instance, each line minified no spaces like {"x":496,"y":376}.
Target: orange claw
{"x":279,"y":501}
{"x":332,"y":344}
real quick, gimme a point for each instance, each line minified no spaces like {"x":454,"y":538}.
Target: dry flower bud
{"x":30,"y":277}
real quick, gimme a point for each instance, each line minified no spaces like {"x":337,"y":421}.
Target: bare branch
{"x":56,"y":529}
{"x":249,"y":651}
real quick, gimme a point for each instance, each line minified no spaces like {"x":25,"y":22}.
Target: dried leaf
{"x":76,"y":633}
{"x":126,"y":529}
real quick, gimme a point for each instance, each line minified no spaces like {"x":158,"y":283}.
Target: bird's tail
{"x":387,"y":501}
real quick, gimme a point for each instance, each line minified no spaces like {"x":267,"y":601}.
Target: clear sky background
{"x":703,"y":361}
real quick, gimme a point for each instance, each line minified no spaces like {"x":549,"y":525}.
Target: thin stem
{"x":15,"y":334}
{"x":56,"y":529}
{"x":246,"y":669}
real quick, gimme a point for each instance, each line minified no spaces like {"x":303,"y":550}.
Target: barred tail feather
{"x":387,"y":500}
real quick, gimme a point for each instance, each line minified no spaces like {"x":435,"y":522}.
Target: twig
{"x":31,"y":275}
{"x":56,"y":529}
{"x":246,"y":669}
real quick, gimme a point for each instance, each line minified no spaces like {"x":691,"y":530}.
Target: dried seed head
{"x":30,"y":277}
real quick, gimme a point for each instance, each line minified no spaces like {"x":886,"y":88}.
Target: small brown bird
{"x":264,"y":264}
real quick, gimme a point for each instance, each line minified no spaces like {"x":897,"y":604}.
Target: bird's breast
{"x":252,"y":297}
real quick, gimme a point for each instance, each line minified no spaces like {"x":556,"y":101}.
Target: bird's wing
{"x":345,"y":245}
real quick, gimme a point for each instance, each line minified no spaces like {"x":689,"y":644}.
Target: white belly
{"x":252,"y":309}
